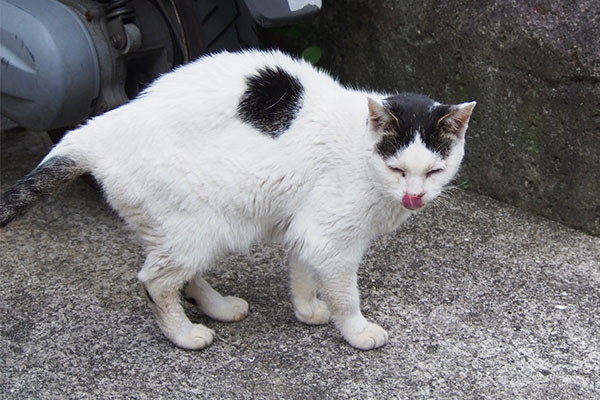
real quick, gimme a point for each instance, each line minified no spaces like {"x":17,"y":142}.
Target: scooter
{"x":63,"y":61}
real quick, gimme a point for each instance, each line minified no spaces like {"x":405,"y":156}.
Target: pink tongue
{"x":412,"y":202}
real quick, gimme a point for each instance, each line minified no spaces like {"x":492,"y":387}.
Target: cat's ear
{"x":379,"y":117}
{"x":456,"y":121}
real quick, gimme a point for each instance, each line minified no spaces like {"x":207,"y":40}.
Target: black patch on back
{"x":415,"y":113}
{"x":271,"y":101}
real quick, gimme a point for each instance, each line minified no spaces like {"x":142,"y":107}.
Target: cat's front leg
{"x":340,"y":290}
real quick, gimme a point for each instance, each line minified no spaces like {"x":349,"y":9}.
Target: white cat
{"x":237,"y":148}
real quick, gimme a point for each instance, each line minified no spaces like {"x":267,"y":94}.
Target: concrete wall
{"x":533,"y":67}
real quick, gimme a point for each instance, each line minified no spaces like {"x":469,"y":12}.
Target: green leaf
{"x":312,"y":54}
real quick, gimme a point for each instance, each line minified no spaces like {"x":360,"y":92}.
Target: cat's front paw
{"x":314,"y":313}
{"x":371,"y":337}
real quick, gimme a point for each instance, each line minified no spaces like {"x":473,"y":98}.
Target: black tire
{"x":214,"y":25}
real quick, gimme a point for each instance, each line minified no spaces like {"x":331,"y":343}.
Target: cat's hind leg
{"x":162,"y":284}
{"x":213,"y":304}
{"x":307,"y":306}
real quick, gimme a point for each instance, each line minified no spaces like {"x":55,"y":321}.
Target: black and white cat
{"x":237,"y":148}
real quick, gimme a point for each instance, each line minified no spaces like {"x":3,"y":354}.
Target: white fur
{"x":195,"y":183}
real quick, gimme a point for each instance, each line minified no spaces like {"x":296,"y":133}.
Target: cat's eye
{"x":398,"y":170}
{"x":433,"y":171}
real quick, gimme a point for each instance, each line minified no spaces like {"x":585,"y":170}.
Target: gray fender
{"x":48,"y":64}
{"x":272,"y":13}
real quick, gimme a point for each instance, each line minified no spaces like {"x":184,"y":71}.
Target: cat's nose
{"x":412,"y":201}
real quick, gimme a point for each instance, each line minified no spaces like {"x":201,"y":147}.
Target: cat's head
{"x":418,"y":145}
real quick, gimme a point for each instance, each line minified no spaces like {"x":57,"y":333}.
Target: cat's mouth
{"x":412,"y":201}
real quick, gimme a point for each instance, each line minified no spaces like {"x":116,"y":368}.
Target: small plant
{"x":312,"y":54}
{"x":295,"y":40}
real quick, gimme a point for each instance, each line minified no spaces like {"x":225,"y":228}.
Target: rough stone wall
{"x":533,"y":67}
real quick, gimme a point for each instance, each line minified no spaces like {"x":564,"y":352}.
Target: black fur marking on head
{"x":414,"y":113}
{"x":271,"y":101}
{"x":40,"y":182}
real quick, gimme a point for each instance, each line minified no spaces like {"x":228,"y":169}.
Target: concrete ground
{"x":480,"y":300}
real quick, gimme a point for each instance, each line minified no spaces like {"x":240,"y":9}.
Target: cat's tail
{"x":49,"y":176}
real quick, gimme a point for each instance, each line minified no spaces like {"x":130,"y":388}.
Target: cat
{"x":238,"y":148}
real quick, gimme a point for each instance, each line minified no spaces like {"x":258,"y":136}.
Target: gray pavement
{"x":481,"y":300}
